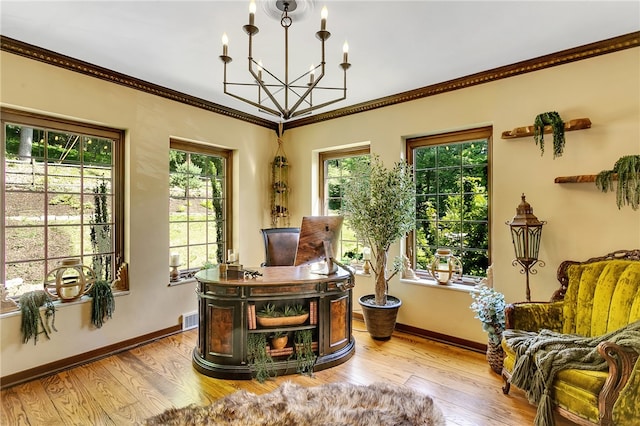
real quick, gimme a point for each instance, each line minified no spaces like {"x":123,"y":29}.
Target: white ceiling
{"x":394,"y":46}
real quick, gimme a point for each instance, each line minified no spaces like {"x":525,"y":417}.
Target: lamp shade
{"x":526,"y":232}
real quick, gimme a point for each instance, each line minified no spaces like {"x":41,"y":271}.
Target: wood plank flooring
{"x":128,"y":387}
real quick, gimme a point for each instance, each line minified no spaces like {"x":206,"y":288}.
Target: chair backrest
{"x":280,"y":246}
{"x":601,"y":296}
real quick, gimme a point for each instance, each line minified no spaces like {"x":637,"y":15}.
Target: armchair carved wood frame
{"x":621,"y":361}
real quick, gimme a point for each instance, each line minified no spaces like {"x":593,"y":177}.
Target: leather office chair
{"x":280,"y":246}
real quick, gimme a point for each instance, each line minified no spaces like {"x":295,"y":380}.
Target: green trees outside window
{"x":337,"y":170}
{"x":61,"y":189}
{"x":198,"y":178}
{"x":452,"y":199}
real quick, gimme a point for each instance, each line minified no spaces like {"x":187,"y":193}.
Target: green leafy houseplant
{"x":305,"y":357}
{"x":488,"y":304}
{"x":102,"y":302}
{"x":259,"y":360}
{"x":271,"y":311}
{"x":30,"y":303}
{"x":379,"y":205}
{"x":552,"y":119}
{"x":627,"y":171}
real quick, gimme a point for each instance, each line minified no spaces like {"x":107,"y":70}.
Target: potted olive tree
{"x":379,"y":206}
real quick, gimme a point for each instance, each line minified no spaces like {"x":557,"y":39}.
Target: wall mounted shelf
{"x":579,"y":179}
{"x":522,"y":132}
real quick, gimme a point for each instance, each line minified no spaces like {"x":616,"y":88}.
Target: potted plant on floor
{"x":379,"y":206}
{"x":489,"y":304}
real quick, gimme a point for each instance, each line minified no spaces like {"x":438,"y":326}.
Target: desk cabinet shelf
{"x":227,"y":309}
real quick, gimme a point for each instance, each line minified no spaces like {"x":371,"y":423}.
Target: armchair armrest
{"x":533,"y":316}
{"x":621,"y":361}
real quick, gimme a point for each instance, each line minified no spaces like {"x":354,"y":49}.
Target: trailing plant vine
{"x":30,"y":303}
{"x":627,"y":170}
{"x":305,"y":357}
{"x":101,"y":233}
{"x":552,"y":119}
{"x":259,"y":360}
{"x":102,"y":302}
{"x":216,"y":193}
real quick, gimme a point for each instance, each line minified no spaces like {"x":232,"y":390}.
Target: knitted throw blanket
{"x":539,"y":357}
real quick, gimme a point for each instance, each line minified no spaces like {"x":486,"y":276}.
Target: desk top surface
{"x":271,"y":275}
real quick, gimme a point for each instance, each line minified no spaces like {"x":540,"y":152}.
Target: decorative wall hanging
{"x":280,"y":186}
{"x":627,"y":171}
{"x":552,"y":119}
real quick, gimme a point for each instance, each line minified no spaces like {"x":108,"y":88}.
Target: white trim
{"x":59,"y":304}
{"x":434,"y":284}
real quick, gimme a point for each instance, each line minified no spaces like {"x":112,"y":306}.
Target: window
{"x":336,"y":171}
{"x":199,"y":203}
{"x":62,"y":192}
{"x":452,"y":198}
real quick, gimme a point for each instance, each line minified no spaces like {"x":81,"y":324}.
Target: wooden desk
{"x":224,"y":323}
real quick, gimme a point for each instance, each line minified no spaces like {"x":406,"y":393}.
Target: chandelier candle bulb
{"x":225,"y":44}
{"x":311,"y":72}
{"x":252,"y":13}
{"x":323,"y":18}
{"x":345,"y":52}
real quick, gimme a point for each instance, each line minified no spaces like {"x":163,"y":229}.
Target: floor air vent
{"x":189,"y":320}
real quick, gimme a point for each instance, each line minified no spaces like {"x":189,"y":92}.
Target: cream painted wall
{"x":149,"y":122}
{"x":582,"y":222}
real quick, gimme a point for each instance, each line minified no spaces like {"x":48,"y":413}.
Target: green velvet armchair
{"x":596,"y":297}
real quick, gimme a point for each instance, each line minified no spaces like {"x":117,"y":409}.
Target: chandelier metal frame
{"x":303,"y":93}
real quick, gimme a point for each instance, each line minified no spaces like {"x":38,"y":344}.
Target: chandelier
{"x":275,"y":94}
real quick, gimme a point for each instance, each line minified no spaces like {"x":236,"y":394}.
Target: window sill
{"x":426,"y":282}
{"x":58,"y":304}
{"x":181,"y":282}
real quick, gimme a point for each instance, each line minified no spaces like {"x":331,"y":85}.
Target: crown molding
{"x":587,"y":51}
{"x":26,"y":50}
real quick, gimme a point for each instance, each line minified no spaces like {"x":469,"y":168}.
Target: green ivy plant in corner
{"x":627,"y":172}
{"x":552,"y":119}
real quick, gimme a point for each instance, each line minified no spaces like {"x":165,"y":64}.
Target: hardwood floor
{"x":128,"y":387}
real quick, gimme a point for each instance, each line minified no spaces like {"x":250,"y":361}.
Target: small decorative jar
{"x":70,"y":280}
{"x":445,"y":266}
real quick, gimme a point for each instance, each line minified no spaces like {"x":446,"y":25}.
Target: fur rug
{"x":327,"y":405}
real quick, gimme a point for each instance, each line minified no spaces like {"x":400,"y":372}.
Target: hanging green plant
{"x":627,"y":172}
{"x":102,"y":302}
{"x":552,"y":119}
{"x":259,"y":360}
{"x":305,"y":357}
{"x":32,"y":321}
